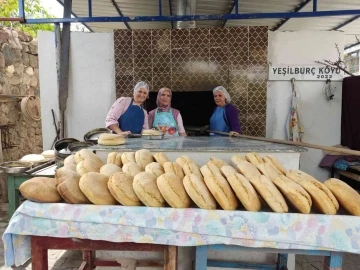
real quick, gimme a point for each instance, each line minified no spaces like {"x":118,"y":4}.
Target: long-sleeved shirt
{"x":119,"y":108}
{"x":232,"y":117}
{"x":177,"y":116}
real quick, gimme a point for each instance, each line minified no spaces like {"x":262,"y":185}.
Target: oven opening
{"x":196,"y":108}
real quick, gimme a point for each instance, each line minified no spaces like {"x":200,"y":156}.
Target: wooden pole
{"x":301,"y":144}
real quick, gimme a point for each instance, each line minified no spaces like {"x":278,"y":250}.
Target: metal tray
{"x":77,"y":146}
{"x":153,"y":137}
{"x":15,"y":166}
{"x":93,"y":135}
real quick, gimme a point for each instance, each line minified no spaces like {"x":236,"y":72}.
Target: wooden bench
{"x":41,"y":244}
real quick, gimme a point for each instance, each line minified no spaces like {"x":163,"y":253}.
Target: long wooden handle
{"x":302,"y":144}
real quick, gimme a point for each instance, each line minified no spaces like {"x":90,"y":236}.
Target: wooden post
{"x":170,"y":258}
{"x":64,"y":66}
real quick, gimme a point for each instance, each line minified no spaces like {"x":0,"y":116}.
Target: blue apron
{"x":165,"y":122}
{"x":132,"y":120}
{"x":218,"y":121}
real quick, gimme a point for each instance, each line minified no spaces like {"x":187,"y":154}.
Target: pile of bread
{"x":140,"y":178}
{"x":39,"y":158}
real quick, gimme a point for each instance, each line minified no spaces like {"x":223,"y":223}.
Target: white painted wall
{"x":321,"y":120}
{"x":91,"y":83}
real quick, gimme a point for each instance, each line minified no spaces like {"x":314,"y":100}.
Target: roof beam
{"x":346,"y":23}
{"x":230,"y":11}
{"x":300,"y":7}
{"x":120,"y":13}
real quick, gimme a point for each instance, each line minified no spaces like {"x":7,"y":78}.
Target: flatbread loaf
{"x":268,"y":170}
{"x":219,"y":187}
{"x":236,"y":159}
{"x":87,"y":154}
{"x":69,"y":160}
{"x":173,"y":167}
{"x":143,"y":157}
{"x":254,"y":158}
{"x":248,"y":170}
{"x":244,"y":191}
{"x":48,"y":154}
{"x":154,"y":168}
{"x":348,"y":197}
{"x":191,"y":167}
{"x":276,"y":163}
{"x":132,"y":168}
{"x":120,"y":185}
{"x":33,"y":158}
{"x":184,"y":160}
{"x":110,"y":169}
{"x":68,"y":187}
{"x":62,"y":174}
{"x":114,"y":158}
{"x":151,"y":132}
{"x":95,"y":187}
{"x":40,"y":189}
{"x":172,"y":189}
{"x":146,"y":189}
{"x":296,"y":194}
{"x":111,"y":139}
{"x":128,"y":157}
{"x":199,"y":192}
{"x":161,"y":158}
{"x":88,"y":165}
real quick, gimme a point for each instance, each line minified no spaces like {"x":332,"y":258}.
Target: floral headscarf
{"x":162,"y":108}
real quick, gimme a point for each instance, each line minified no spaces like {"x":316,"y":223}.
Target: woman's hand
{"x":232,"y":133}
{"x":125,"y":133}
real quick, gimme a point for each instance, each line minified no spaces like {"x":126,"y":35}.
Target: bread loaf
{"x":69,"y":189}
{"x":236,"y":159}
{"x":244,"y":191}
{"x":190,"y":168}
{"x":173,"y":167}
{"x":184,"y":160}
{"x":270,"y":194}
{"x":128,"y":157}
{"x":120,"y":185}
{"x":48,"y":154}
{"x":218,"y":162}
{"x":172,"y":189}
{"x":154,"y":168}
{"x":132,"y":168}
{"x":40,"y":189}
{"x":70,"y":167}
{"x":70,"y":160}
{"x":254,"y":158}
{"x":33,"y":158}
{"x":114,"y":158}
{"x":87,"y":154}
{"x":348,"y":197}
{"x":323,"y":200}
{"x":95,"y":187}
{"x":219,"y":187}
{"x":276,"y":163}
{"x":248,"y":170}
{"x":110,"y":169}
{"x":111,"y":139}
{"x":86,"y":166}
{"x":198,"y":192}
{"x":151,"y":132}
{"x":295,"y":193}
{"x":268,"y":170}
{"x":143,"y":157}
{"x":63,"y":174}
{"x":147,"y":190}
{"x":161,"y":158}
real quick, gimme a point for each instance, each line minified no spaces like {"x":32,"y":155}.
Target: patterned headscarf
{"x":162,"y":108}
{"x":223,"y":90}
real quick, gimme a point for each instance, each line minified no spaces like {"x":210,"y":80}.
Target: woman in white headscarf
{"x":225,"y":117}
{"x":127,"y":115}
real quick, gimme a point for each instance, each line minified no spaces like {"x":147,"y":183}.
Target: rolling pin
{"x":301,"y":144}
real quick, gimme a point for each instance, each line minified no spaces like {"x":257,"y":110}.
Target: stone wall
{"x":19,"y":76}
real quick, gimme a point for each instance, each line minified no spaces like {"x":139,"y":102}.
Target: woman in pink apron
{"x":164,"y":118}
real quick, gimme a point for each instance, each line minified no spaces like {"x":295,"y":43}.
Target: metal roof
{"x":210,"y":7}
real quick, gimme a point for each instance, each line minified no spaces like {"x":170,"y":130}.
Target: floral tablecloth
{"x":180,"y":227}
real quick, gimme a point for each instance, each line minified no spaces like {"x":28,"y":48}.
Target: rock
{"x":34,"y":81}
{"x":2,"y":60}
{"x":15,"y":80}
{"x":26,"y":79}
{"x":14,"y":34}
{"x":24,"y":37}
{"x":24,"y":89}
{"x":30,"y":71}
{"x":25,"y":59}
{"x":13,"y":44}
{"x":36,"y":71}
{"x":33,"y":61}
{"x":19,"y":69}
{"x":5,"y":89}
{"x":33,"y":48}
{"x":15,"y":90}
{"x":10,"y":69}
{"x":18,"y":43}
{"x":5,"y":108}
{"x":37,"y":131}
{"x":8,"y":55}
{"x":4,"y":37}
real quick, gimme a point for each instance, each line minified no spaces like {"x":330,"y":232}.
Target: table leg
{"x":334,"y":261}
{"x":88,"y":257}
{"x":13,"y":195}
{"x":201,"y":258}
{"x":39,"y":255}
{"x":170,"y":258}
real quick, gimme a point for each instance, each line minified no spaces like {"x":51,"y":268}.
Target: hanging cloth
{"x":293,"y":125}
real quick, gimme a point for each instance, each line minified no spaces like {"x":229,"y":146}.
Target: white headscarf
{"x":140,"y":85}
{"x":223,"y":90}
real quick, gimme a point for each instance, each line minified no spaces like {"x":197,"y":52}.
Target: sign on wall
{"x":305,"y":73}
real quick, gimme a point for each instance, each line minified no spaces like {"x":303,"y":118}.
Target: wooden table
{"x":40,"y":246}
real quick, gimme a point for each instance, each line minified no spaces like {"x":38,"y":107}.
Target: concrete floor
{"x":71,"y":260}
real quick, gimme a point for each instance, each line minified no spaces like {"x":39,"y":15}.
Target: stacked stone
{"x":19,"y":75}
